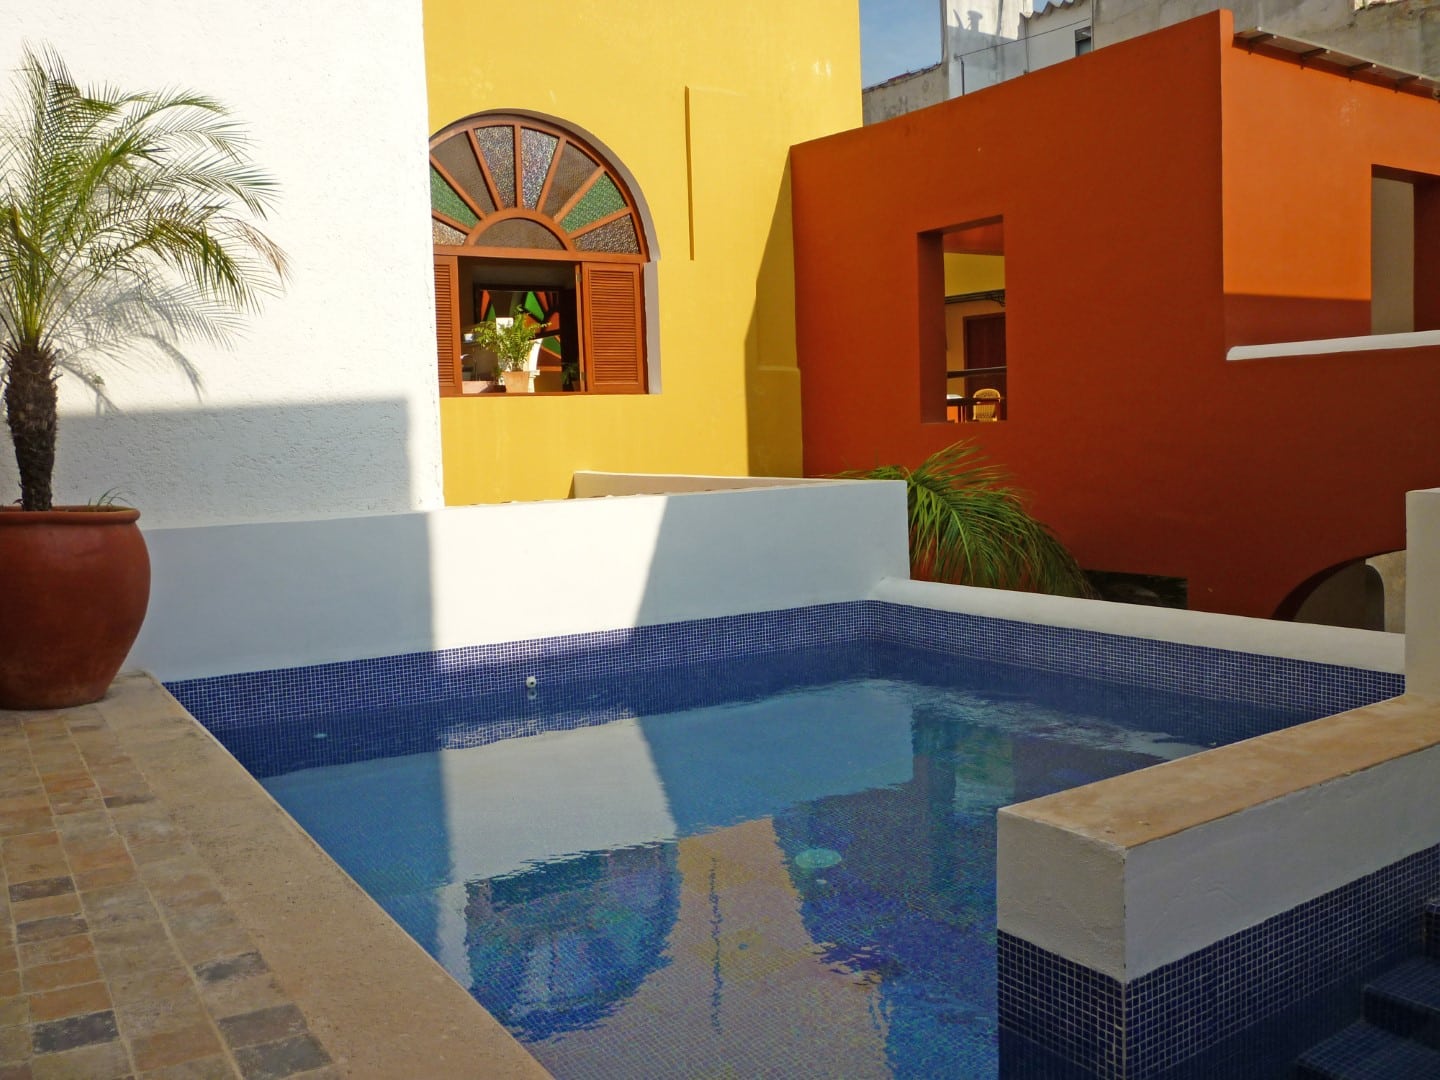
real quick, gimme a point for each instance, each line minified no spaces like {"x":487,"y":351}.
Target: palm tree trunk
{"x":30,"y":401}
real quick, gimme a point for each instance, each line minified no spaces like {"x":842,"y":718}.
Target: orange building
{"x":1132,"y":218}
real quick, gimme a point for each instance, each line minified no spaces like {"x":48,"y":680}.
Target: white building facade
{"x":989,"y":41}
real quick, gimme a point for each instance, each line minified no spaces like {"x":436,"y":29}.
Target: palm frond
{"x":126,"y":219}
{"x":969,"y":527}
{"x":99,"y":187}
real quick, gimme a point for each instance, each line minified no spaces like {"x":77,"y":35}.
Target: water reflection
{"x":797,"y":886}
{"x":851,"y":934}
{"x":557,"y":947}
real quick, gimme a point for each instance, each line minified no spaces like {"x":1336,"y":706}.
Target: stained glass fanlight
{"x":506,"y":183}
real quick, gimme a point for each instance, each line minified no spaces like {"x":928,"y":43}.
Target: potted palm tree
{"x":124,"y":217}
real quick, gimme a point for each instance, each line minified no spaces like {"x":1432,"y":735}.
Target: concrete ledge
{"x":1335,"y":346}
{"x":1367,"y":649}
{"x":381,"y":1005}
{"x":595,"y":485}
{"x":1134,"y":872}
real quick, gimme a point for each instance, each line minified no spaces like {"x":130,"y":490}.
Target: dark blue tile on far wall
{"x":422,"y":678}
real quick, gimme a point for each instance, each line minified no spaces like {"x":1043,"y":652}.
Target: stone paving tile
{"x":211,"y":1068}
{"x":103,"y":1061}
{"x":44,"y":907}
{"x":41,"y":888}
{"x":263,"y":1026}
{"x":55,"y":926}
{"x":175,"y":1047}
{"x":73,"y":1031}
{"x":82,"y":969}
{"x":277,"y":1060}
{"x":55,"y":950}
{"x":119,"y":956}
{"x":242,"y":994}
{"x":69,"y":1001}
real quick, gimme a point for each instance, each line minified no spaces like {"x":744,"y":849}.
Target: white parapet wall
{"x":235,"y":598}
{"x":1422,"y":593}
{"x":324,"y":403}
{"x":598,"y":485}
{"x":1132,"y":873}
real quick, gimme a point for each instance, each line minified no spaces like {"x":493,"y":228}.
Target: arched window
{"x":530,"y":219}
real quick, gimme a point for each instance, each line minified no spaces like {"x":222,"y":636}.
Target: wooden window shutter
{"x":614,"y":318}
{"x":447,"y":324}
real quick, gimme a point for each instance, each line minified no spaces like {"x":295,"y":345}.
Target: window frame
{"x":586,"y":263}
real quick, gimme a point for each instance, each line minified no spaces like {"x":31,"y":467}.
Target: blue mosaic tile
{"x":1186,"y":669}
{"x":325,"y":714}
{"x":418,"y":679}
{"x":1143,"y":1028}
{"x":1432,"y":928}
{"x":423,"y":678}
{"x":1363,"y":1052}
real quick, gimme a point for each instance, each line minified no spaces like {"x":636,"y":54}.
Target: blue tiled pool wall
{"x":1186,"y":669}
{"x":290,"y":695}
{"x":260,"y":697}
{"x":1152,"y":1026}
{"x":268,"y":748}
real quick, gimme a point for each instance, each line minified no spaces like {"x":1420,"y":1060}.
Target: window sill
{"x":1332,"y":346}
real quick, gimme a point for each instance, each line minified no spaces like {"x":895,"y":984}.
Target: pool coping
{"x":396,"y":1011}
{"x":1149,"y":804}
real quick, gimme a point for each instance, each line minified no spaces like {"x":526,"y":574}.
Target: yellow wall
{"x":747,"y":78}
{"x":967,"y":274}
{"x":973,"y":273}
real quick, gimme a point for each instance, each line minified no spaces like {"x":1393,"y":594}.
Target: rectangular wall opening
{"x":1392,"y":255}
{"x":973,"y":387}
{"x":1404,"y":251}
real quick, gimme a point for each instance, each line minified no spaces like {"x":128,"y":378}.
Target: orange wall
{"x":1145,"y":449}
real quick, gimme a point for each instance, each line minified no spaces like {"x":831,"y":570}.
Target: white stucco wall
{"x":1422,"y":593}
{"x":978,"y":34}
{"x":1049,"y":35}
{"x":326,"y":404}
{"x":903,"y":94}
{"x":1406,"y":35}
{"x":1126,"y":912}
{"x":252,"y":597}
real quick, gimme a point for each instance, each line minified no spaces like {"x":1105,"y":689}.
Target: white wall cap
{"x":1327,"y":346}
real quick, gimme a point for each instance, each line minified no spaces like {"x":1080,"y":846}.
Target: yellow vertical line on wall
{"x":689,"y":175}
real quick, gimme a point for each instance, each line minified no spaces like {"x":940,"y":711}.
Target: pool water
{"x":795,"y":884}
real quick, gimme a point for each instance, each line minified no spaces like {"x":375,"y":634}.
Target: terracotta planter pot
{"x":74,"y":585}
{"x":519,"y":382}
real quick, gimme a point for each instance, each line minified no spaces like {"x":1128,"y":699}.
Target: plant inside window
{"x":510,"y":339}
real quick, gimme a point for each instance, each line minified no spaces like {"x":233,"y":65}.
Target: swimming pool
{"x":778,"y":865}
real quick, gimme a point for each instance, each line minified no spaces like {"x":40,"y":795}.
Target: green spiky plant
{"x":969,"y":527}
{"x":125,"y":219}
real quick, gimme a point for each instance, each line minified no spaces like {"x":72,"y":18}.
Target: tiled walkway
{"x":162,"y":917}
{"x":121,"y":957}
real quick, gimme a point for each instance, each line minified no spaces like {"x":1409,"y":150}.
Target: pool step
{"x":1431,"y":925}
{"x":1365,"y":1052}
{"x":1405,"y":1001}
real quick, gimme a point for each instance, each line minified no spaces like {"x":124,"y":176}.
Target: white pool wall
{"x":1125,"y":909}
{"x":1422,"y":596}
{"x":236,"y":598}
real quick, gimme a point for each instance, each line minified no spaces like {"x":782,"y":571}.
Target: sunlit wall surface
{"x":700,"y":103}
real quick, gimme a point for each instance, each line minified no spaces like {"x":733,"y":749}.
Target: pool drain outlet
{"x":818,"y":858}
